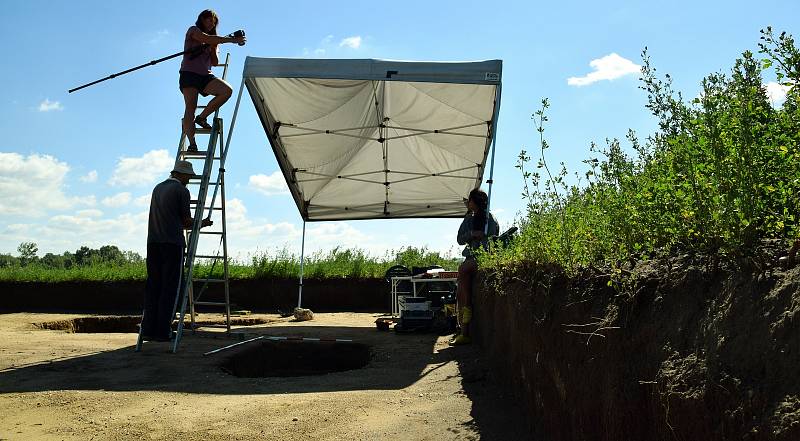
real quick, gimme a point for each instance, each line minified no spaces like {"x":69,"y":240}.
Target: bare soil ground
{"x":59,"y":384}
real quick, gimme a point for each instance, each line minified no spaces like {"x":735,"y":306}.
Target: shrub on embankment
{"x":721,"y":174}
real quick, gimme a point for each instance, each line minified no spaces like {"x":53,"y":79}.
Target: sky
{"x":77,"y":169}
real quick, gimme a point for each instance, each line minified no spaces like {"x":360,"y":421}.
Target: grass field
{"x":337,"y":263}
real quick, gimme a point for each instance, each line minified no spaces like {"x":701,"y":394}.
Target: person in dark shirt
{"x":169,"y":216}
{"x":474,"y":234}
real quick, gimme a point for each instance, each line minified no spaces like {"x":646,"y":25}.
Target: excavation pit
{"x":295,"y":358}
{"x":127,"y":324}
{"x":95,"y":325}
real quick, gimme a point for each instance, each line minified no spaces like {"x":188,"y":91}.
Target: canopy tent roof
{"x":374,"y":139}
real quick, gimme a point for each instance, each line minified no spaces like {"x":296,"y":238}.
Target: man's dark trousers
{"x":164,"y":265}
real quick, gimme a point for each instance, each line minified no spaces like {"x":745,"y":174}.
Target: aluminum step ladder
{"x":192,"y":288}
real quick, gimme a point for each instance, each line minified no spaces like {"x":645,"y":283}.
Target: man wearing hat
{"x":169,"y":216}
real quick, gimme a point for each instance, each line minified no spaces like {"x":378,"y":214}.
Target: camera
{"x":238,"y":34}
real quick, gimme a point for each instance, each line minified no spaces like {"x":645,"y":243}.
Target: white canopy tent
{"x":376,"y":139}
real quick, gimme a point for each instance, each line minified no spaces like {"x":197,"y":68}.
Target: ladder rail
{"x":187,"y":295}
{"x":187,"y":292}
{"x":225,"y":270}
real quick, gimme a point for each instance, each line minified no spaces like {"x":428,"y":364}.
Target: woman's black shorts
{"x":197,"y":81}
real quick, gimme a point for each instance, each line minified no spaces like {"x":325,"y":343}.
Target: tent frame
{"x":391,"y":75}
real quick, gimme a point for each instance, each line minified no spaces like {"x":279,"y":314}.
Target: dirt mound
{"x":682,"y":348}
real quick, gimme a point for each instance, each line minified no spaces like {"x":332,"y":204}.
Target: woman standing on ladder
{"x":195,"y":74}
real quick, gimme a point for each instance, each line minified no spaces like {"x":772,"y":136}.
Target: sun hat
{"x":184,"y":167}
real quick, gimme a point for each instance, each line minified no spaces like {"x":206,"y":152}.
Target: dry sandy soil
{"x":56,"y":384}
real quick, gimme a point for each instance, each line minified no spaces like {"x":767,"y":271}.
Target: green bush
{"x":721,"y":174}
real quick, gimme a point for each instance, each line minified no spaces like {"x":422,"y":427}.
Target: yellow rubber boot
{"x":466,"y":315}
{"x":461,"y":340}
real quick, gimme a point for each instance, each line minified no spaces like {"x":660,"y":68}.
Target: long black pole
{"x":134,"y":68}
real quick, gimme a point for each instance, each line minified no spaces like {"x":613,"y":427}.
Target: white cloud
{"x":89,"y":177}
{"x":142,"y":201}
{"x":91,"y":212}
{"x":328,"y":46}
{"x":47,"y":105}
{"x":271,"y":185}
{"x":143,"y":170}
{"x":351,"y":42}
{"x":159,"y":36}
{"x":65,"y":232}
{"x":610,"y":67}
{"x":776,"y":92}
{"x":332,"y":234}
{"x":247,"y":236}
{"x":33,"y":185}
{"x":118,"y":200}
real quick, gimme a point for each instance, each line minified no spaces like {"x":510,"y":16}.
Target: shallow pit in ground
{"x":101,"y":324}
{"x":294,"y":358}
{"x":128,"y":324}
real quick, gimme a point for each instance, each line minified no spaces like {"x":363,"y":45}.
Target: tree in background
{"x":27,"y":252}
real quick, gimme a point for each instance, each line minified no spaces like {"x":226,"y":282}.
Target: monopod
{"x":154,"y":62}
{"x":193,"y":51}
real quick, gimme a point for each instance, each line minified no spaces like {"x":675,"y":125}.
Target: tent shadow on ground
{"x":397,"y":361}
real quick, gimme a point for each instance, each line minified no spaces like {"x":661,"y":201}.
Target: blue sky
{"x":77,"y":169}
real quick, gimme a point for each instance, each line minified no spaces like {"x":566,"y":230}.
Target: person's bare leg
{"x":221,"y":91}
{"x":466,"y":272}
{"x":190,"y":100}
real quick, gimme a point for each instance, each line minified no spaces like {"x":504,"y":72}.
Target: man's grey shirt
{"x":169,"y":205}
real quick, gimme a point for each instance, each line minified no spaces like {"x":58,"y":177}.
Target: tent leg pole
{"x":302,"y":263}
{"x":491,"y":167}
{"x":233,"y":121}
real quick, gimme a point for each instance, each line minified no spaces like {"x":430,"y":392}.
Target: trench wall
{"x":674,"y":352}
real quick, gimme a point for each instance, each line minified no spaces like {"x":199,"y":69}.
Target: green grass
{"x":96,"y":272}
{"x":337,"y":263}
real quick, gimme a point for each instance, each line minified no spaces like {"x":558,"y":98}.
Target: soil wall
{"x":257,"y":295}
{"x":671,"y":350}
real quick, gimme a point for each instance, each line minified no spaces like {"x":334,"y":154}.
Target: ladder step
{"x":209,"y":280}
{"x":212,"y":232}
{"x":198,"y":179}
{"x":194,"y":201}
{"x":210,"y":303}
{"x":203,"y":256}
{"x":197,"y":154}
{"x":200,"y":325}
{"x":202,"y":131}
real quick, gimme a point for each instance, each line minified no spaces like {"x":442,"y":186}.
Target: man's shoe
{"x":192,"y":148}
{"x":461,"y":340}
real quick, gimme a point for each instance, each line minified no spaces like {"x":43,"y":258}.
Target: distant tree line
{"x":27,"y":254}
